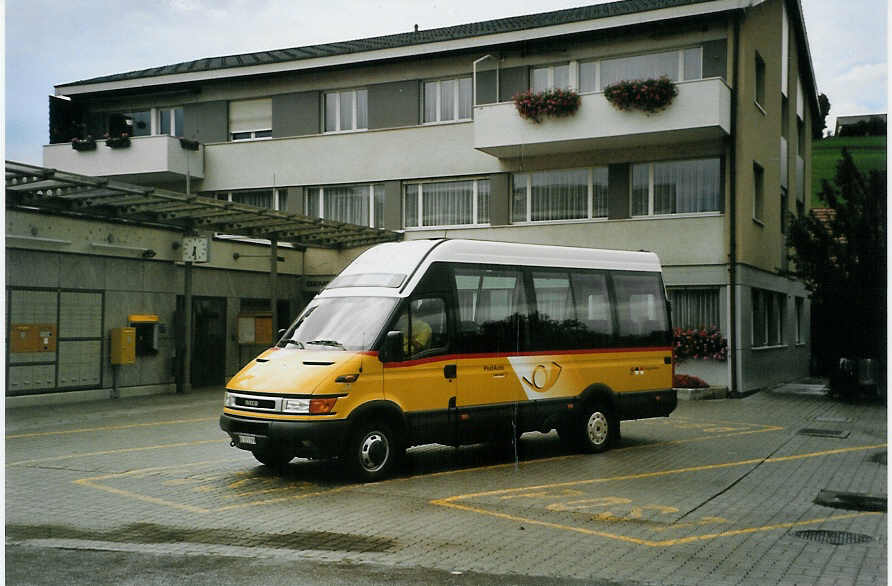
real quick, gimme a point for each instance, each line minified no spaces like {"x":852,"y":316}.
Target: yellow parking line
{"x":450,"y":502}
{"x":140,"y":497}
{"x":110,"y":452}
{"x":110,"y":428}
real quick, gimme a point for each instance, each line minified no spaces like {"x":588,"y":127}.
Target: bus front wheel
{"x":371,"y":452}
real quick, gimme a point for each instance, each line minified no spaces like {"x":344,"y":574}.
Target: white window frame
{"x":321,"y":203}
{"x":156,"y":121}
{"x":420,"y":204}
{"x":774,"y":302}
{"x":650,"y":191}
{"x":227,"y":196}
{"x":590,"y":196}
{"x":550,"y":69}
{"x":456,"y":98}
{"x":354,"y":104}
{"x":252,"y":133}
{"x":680,"y":56}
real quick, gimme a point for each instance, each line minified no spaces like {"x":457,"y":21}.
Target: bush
{"x":704,"y":344}
{"x":647,"y":95}
{"x":687,"y":381}
{"x":557,"y":103}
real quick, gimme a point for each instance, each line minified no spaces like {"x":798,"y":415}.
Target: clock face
{"x":195,"y":249}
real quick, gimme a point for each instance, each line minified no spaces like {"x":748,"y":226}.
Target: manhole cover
{"x":834,"y":433}
{"x":830,"y":419}
{"x":833,"y":537}
{"x":850,"y":501}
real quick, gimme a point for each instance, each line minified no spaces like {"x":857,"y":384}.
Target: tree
{"x":841,"y":257}
{"x":817,"y":130}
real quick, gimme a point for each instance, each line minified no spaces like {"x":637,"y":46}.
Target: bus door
{"x":492,"y":319}
{"x":424,"y":382}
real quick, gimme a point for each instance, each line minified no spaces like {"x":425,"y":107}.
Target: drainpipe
{"x":732,"y":212}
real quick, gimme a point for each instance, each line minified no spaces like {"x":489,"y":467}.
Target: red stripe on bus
{"x":448,"y":357}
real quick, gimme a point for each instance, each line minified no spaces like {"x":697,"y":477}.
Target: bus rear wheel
{"x":597,"y":429}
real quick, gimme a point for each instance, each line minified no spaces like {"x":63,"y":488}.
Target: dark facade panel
{"x":296,"y":114}
{"x":486,"y":87}
{"x":394,"y":104}
{"x":513,"y":80}
{"x":393,"y":206}
{"x":500,"y":199}
{"x":618,"y":190}
{"x":715,"y":58}
{"x":206,"y":121}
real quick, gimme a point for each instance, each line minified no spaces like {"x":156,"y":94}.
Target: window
{"x":170,"y":121}
{"x":758,"y":192}
{"x":641,"y":310}
{"x":760,"y":80}
{"x":346,"y":110}
{"x":570,"y":194}
{"x":768,"y":318}
{"x":550,"y":77}
{"x":572,"y":311}
{"x":492,"y":309}
{"x":695,"y":308}
{"x":676,"y":187}
{"x":784,"y":210}
{"x":354,"y":204}
{"x":135,"y":123}
{"x":272,"y":199}
{"x":678,"y":65}
{"x":251,"y":119}
{"x":446,"y":203}
{"x":424,"y":327}
{"x":447,"y":99}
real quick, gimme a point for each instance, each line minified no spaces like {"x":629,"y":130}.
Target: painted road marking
{"x":111,"y":452}
{"x":111,"y":427}
{"x":452,"y":502}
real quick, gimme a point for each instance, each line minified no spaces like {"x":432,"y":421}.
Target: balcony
{"x":701,"y":111}
{"x":148,"y":160}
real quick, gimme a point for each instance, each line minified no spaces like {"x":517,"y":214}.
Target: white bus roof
{"x":409,"y":260}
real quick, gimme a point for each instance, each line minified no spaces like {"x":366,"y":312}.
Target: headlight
{"x":228,"y":400}
{"x":296,"y":406}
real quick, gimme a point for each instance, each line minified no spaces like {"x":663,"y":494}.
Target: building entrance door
{"x":208,"y":365}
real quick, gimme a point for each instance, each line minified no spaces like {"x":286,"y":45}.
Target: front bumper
{"x":301,"y":438}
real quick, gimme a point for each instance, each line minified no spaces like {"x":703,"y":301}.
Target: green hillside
{"x":869,"y":153}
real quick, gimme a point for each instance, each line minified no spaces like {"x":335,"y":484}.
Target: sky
{"x":50,"y":42}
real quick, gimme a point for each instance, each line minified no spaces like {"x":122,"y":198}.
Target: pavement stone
{"x":713,"y":494}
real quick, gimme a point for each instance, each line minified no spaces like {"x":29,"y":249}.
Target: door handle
{"x":449,"y":371}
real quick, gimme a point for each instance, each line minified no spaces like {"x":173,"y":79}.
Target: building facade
{"x":419,"y":133}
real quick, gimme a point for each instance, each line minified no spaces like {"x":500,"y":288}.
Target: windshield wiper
{"x":295,"y":342}
{"x":334,"y":343}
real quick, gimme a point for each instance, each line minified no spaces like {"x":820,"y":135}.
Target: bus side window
{"x":492,"y":309}
{"x":641,"y":310}
{"x":593,"y":308}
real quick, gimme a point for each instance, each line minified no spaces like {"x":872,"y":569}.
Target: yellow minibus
{"x":456,"y":342}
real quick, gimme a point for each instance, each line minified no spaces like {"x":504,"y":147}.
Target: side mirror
{"x":281,"y":332}
{"x":392,"y":348}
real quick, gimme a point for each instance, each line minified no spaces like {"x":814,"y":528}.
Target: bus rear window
{"x":641,"y":309}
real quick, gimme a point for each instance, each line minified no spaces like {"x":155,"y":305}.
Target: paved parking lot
{"x":721,"y":492}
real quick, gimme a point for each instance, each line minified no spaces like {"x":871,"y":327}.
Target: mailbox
{"x":123,"y":346}
{"x":147,"y":329}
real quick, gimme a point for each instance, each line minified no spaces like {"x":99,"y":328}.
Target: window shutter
{"x":248,"y":115}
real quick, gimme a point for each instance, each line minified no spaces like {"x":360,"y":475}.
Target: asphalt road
{"x":148,"y":491}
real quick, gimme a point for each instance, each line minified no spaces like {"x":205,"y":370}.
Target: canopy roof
{"x":32,"y":187}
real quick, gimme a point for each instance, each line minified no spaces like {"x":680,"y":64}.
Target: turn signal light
{"x":347,"y":378}
{"x":322,"y":406}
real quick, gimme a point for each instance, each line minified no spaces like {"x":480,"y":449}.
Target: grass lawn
{"x":869,"y":153}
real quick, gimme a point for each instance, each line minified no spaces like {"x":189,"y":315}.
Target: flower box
{"x":118,"y":142}
{"x":647,"y":95}
{"x":700,"y":344}
{"x":83,"y":144}
{"x":557,"y":103}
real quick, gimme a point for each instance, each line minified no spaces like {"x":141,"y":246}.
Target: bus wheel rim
{"x":374,"y":451}
{"x":596,"y":428}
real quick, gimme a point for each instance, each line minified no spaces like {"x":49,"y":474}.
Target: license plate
{"x":247,"y":439}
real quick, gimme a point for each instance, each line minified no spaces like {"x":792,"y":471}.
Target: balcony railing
{"x":148,"y":159}
{"x":701,"y":111}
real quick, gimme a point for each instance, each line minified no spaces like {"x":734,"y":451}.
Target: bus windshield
{"x":340,"y":323}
